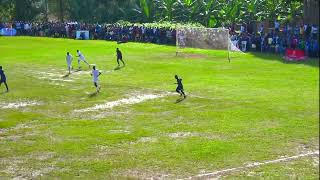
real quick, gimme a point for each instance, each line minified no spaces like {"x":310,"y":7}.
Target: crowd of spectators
{"x":273,"y":40}
{"x":112,"y":32}
{"x":277,"y":38}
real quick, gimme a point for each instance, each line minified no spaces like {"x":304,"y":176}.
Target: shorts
{"x":3,"y":81}
{"x":119,"y":57}
{"x":179,"y":88}
{"x":81,"y":59}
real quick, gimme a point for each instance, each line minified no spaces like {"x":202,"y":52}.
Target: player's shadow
{"x":118,"y":68}
{"x":94,"y":94}
{"x":77,"y":70}
{"x":180,"y":100}
{"x":66,"y":75}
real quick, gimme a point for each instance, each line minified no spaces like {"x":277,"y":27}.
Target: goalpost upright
{"x":229,"y":46}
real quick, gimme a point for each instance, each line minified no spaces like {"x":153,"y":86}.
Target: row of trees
{"x":209,"y":13}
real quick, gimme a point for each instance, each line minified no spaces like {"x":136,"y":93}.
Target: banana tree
{"x":165,"y":9}
{"x":144,"y":8}
{"x":254,"y":10}
{"x":6,"y":10}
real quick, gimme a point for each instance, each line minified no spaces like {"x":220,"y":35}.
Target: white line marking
{"x":17,"y":105}
{"x":251,"y":165}
{"x":132,"y":100}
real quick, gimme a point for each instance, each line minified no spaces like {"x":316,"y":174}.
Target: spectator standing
{"x":314,"y":31}
{"x":261,"y":29}
{"x":276,"y":26}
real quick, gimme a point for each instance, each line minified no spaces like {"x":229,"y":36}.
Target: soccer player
{"x":119,"y":57}
{"x":69,"y":61}
{"x":3,"y":78}
{"x":81,"y":58}
{"x":96,"y":73}
{"x":180,"y":86}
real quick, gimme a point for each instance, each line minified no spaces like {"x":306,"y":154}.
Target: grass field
{"x":254,"y":109}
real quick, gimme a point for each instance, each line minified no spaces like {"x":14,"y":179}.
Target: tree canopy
{"x":210,"y":13}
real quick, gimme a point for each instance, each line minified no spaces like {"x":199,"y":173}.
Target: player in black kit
{"x":180,"y":86}
{"x":119,"y":57}
{"x":3,"y":79}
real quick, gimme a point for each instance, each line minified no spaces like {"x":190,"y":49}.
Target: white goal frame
{"x":204,"y":39}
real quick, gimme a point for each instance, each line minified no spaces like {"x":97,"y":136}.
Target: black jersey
{"x":119,"y":54}
{"x":179,"y":82}
{"x":2,"y":75}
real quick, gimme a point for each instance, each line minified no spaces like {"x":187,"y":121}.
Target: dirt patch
{"x":103,"y":151}
{"x":255,"y":174}
{"x":53,"y":77}
{"x":315,"y":161}
{"x":304,"y":148}
{"x":147,"y":139}
{"x":76,"y":73}
{"x":119,"y":131}
{"x":17,"y":167}
{"x":11,"y":138}
{"x":182,"y":134}
{"x":126,"y":101}
{"x":18,"y":127}
{"x":43,"y":156}
{"x":142,"y":174}
{"x":108,"y":113}
{"x":56,"y":79}
{"x":193,"y":56}
{"x":17,"y":105}
{"x":144,"y":140}
{"x":178,"y":135}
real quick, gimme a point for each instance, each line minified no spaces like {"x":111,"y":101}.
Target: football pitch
{"x":255,"y":117}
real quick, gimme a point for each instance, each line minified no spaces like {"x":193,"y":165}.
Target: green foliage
{"x":6,"y":10}
{"x":210,"y":13}
{"x":145,"y":7}
{"x":25,"y":10}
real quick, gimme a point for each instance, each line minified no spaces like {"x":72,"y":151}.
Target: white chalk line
{"x":56,"y":79}
{"x":252,"y":165}
{"x":188,"y":95}
{"x":126,"y":101}
{"x":57,"y":76}
{"x":17,"y":105}
{"x":132,"y":100}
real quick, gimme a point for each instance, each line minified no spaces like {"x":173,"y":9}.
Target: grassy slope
{"x":255,"y":108}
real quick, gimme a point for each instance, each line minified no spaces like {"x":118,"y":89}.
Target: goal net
{"x":204,"y":38}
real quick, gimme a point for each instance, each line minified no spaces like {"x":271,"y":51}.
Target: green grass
{"x":253,"y":109}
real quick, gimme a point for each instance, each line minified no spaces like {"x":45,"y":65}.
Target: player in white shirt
{"x":69,"y":61}
{"x":95,"y":74}
{"x":81,"y":58}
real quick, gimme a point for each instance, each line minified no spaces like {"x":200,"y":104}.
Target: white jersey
{"x":69,"y":59}
{"x":314,"y":30}
{"x":95,"y":74}
{"x":80,"y":55}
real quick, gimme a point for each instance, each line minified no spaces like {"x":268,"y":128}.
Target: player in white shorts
{"x":81,"y":58}
{"x":69,"y":61}
{"x":96,"y":73}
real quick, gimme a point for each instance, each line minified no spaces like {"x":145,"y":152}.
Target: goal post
{"x":203,"y":38}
